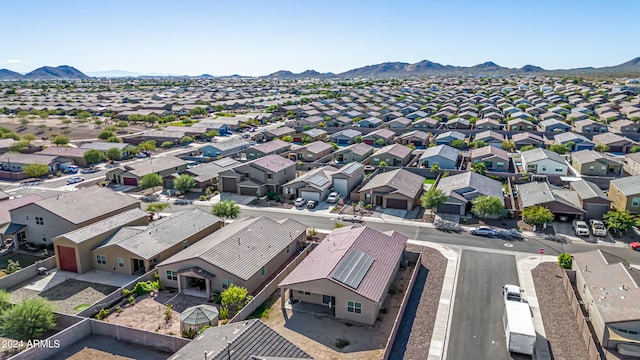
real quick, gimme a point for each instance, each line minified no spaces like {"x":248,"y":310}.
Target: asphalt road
{"x":476,"y":328}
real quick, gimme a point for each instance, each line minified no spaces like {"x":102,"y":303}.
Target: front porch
{"x":195,"y":282}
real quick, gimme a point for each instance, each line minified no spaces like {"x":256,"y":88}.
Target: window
{"x":120,"y":262}
{"x":262,"y":271}
{"x":269,"y":176}
{"x":559,"y":169}
{"x":39,"y":221}
{"x":635,"y":202}
{"x":303,"y":292}
{"x":544,"y":167}
{"x":591,"y":167}
{"x":326,"y":299}
{"x":101,"y":259}
{"x":376,"y":159}
{"x":499,"y":164}
{"x":354,"y":307}
{"x":185,"y":244}
{"x":246,"y":175}
{"x":171,"y":275}
{"x":309,"y":156}
{"x":226,"y":283}
{"x":603,"y":167}
{"x":44,"y":237}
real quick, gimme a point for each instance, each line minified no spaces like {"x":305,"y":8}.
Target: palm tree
{"x":435,"y":168}
{"x":433,"y":198}
{"x":382,"y":165}
{"x":226,"y":210}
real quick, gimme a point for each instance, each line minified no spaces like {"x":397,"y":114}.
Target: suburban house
{"x":104,"y":146}
{"x":490,"y":137}
{"x":313,"y":151}
{"x":259,"y":176}
{"x":246,"y":253}
{"x":314,"y":134}
{"x":345,"y":137}
{"x":370,"y":122}
{"x":269,"y":135}
{"x":553,"y":125}
{"x":15,"y":162}
{"x":314,"y":121}
{"x":131,"y":173}
{"x":399,"y":123}
{"x":488,"y":124}
{"x":632,"y":163}
{"x":578,"y":141}
{"x":520,"y":125}
{"x":416,"y":138}
{"x":223,"y":148}
{"x":16,"y":234}
{"x":593,"y":163}
{"x":445,"y":156}
{"x":615,"y":142}
{"x":447,"y":137}
{"x":606,"y":285}
{"x":521,"y":140}
{"x":267,"y":148}
{"x":347,"y":178}
{"x":424,"y":124}
{"x":494,"y":159}
{"x":589,"y":126}
{"x":560,"y":201}
{"x":543,"y":162}
{"x":313,"y":185}
{"x":45,"y":219}
{"x":354,"y":153}
{"x":350,"y":272}
{"x":393,"y":155}
{"x":624,"y":193}
{"x":594,"y":201}
{"x":396,"y":189}
{"x":624,"y":126}
{"x":461,"y":189}
{"x":251,"y":339}
{"x":74,"y":154}
{"x":458,"y":123}
{"x":379,"y":137}
{"x":207,"y":174}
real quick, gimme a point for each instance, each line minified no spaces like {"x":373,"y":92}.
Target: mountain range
{"x":384,"y":70}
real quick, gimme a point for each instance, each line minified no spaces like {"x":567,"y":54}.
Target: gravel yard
{"x":414,"y":337}
{"x":67,"y":295}
{"x":559,"y":322}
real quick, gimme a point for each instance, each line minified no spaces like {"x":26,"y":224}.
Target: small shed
{"x":193,"y":319}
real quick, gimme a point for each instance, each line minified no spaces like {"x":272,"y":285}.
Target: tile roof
{"x":104,"y":146}
{"x":360,"y":149}
{"x":244,"y":246}
{"x":396,"y":150}
{"x":629,"y":185}
{"x":586,"y":156}
{"x":534,"y":155}
{"x":110,"y":224}
{"x":62,"y":151}
{"x":588,"y":190}
{"x":480,"y":185}
{"x":385,"y":249}
{"x":80,"y":206}
{"x":153,"y":165}
{"x":273,"y":163}
{"x":10,"y":204}
{"x":250,"y":339}
{"x":454,"y":134}
{"x":610,"y":138}
{"x":489,"y":150}
{"x":445,"y":151}
{"x":27,"y":158}
{"x":272,"y":146}
{"x":151,"y":240}
{"x":317,"y":147}
{"x":404,"y":182}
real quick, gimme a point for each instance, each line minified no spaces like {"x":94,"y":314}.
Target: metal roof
{"x":353,"y":268}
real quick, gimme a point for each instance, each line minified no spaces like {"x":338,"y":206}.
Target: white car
{"x":483,"y":231}
{"x":74,"y":180}
{"x":598,"y":228}
{"x":580,"y":227}
{"x":333,"y":198}
{"x":300,"y":202}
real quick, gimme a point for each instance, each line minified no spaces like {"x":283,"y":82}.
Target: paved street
{"x":476,"y":328}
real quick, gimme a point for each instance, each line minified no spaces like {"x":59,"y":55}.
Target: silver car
{"x":483,"y":231}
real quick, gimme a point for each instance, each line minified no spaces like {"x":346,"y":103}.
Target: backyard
{"x":67,"y":297}
{"x":24,"y":260}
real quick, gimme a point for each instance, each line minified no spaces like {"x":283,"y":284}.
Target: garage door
{"x":343,"y":141}
{"x":396,"y":204}
{"x":369,"y":141}
{"x":229,"y":184}
{"x":449,"y":209}
{"x":130,"y":181}
{"x":248,"y":191}
{"x":341,"y":186}
{"x":417,"y":143}
{"x":310,"y":195}
{"x":67,"y":258}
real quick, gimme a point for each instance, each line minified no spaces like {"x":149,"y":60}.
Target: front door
{"x":330,"y":301}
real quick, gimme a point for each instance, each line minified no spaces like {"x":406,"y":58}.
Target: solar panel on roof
{"x":351,"y":168}
{"x":318,"y":180}
{"x":353,"y":268}
{"x":225,"y":162}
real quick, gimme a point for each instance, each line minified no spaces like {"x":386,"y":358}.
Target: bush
{"x":368,"y":206}
{"x":145,"y":287}
{"x":132,"y":300}
{"x":565,"y":260}
{"x":217,"y":297}
{"x":203,"y":198}
{"x":341,"y":343}
{"x":168,"y":312}
{"x":102,"y":314}
{"x":118,"y":309}
{"x":224,"y":313}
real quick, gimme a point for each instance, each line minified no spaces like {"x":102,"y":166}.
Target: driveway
{"x":565,"y":229}
{"x":476,"y":329}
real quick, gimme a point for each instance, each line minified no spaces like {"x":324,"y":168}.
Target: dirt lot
{"x":68,"y":295}
{"x":414,"y":336}
{"x":563,"y":335}
{"x":317,"y":335}
{"x":148,"y":313}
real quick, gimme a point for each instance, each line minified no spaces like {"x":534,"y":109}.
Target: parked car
{"x":89,"y":171}
{"x":597,"y":228}
{"x":580,"y":227}
{"x":311,"y":204}
{"x":183,"y":202}
{"x":635,"y":246}
{"x":141,"y":155}
{"x":74,"y":180}
{"x":333,"y":198}
{"x":352,"y":218}
{"x":482,"y":231}
{"x":300,"y":202}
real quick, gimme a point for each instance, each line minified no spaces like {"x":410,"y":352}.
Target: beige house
{"x":350,"y":272}
{"x":624,"y":193}
{"x":631,"y":163}
{"x":43,"y":220}
{"x":245,"y":253}
{"x":138,"y":249}
{"x":131,"y":173}
{"x":608,"y":287}
{"x":396,"y":189}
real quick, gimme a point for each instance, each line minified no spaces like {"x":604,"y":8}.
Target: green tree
{"x":28,"y":137}
{"x":601,"y":148}
{"x":122,"y":124}
{"x":383,"y":165}
{"x":186,"y":140}
{"x":234,"y":298}
{"x":114,"y":139}
{"x":166,"y":144}
{"x":537,"y":215}
{"x":435,"y":167}
{"x":287,"y":138}
{"x":619,"y":221}
{"x":433,"y":198}
{"x":484,"y":206}
{"x":357,"y":139}
{"x":150,"y":181}
{"x":198,"y":111}
{"x":35,"y":170}
{"x":379,"y":142}
{"x":184,"y":183}
{"x":479,"y":168}
{"x":156,"y":207}
{"x":12,"y":266}
{"x":61,"y":140}
{"x":635,"y":148}
{"x":458,"y":144}
{"x":105,"y":134}
{"x":559,"y":149}
{"x":19,"y":146}
{"x":149,"y":145}
{"x":508,"y":145}
{"x":27,"y":320}
{"x":307,"y":140}
{"x":114,"y":153}
{"x":24,"y":122}
{"x":527,"y":148}
{"x":480,"y":143}
{"x":5,"y":300}
{"x":226,"y":209}
{"x":65,"y":121}
{"x":565,"y":260}
{"x":93,"y":156}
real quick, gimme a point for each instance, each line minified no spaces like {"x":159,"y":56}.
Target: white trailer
{"x":518,"y":325}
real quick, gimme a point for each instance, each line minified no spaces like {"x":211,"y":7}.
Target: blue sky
{"x":260,"y":37}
